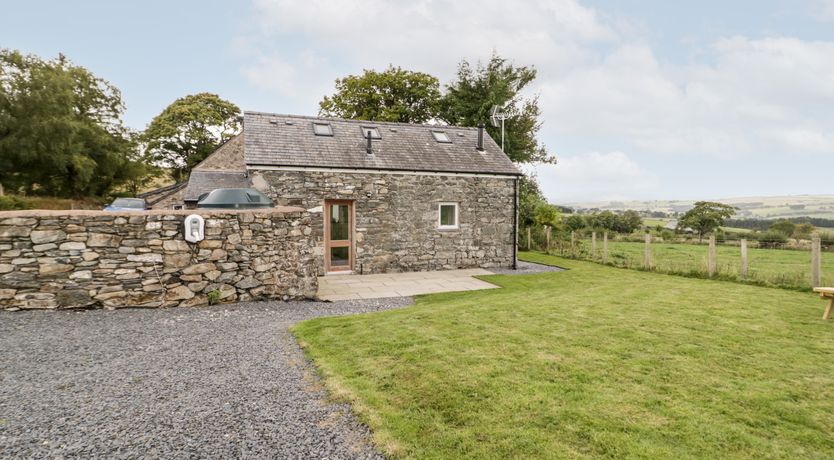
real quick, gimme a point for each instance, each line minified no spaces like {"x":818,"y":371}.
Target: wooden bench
{"x":827,"y":293}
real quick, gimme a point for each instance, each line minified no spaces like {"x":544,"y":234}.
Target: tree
{"x":393,"y":95}
{"x":469,"y":99}
{"x":189,"y":130}
{"x":803,"y":231}
{"x":605,"y":220}
{"x":547,"y":214}
{"x":783,"y":226}
{"x":61,"y":131}
{"x":575,"y":222}
{"x":706,"y":217}
{"x":529,"y":197}
{"x":628,"y":222}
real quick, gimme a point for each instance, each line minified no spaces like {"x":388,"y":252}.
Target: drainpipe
{"x":515,"y":224}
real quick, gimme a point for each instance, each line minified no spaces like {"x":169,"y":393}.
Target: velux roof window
{"x":322,"y":129}
{"x":373,"y":130}
{"x":441,"y":136}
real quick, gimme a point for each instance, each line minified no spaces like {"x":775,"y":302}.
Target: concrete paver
{"x":346,"y":287}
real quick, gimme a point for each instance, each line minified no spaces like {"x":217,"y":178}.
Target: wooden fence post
{"x":573,"y":243}
{"x":816,"y":260}
{"x":647,"y":257}
{"x":547,"y":231}
{"x":593,"y":245}
{"x":529,"y":247}
{"x":744,"y":257}
{"x":711,"y":256}
{"x":605,"y":247}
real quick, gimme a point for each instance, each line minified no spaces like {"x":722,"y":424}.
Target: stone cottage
{"x":386,"y":197}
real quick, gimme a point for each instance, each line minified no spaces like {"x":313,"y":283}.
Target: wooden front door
{"x":338,"y":235}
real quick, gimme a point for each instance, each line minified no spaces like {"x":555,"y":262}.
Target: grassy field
{"x":591,"y":362}
{"x":782,"y":267}
{"x":761,"y":207}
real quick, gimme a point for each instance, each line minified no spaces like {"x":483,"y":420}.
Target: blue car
{"x":127,"y":204}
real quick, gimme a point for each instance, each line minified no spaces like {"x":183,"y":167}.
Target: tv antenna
{"x":497,"y":116}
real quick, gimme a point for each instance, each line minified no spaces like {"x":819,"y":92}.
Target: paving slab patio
{"x":349,"y":287}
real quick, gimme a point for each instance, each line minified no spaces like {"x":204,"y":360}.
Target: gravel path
{"x":216,"y":382}
{"x":526,"y":268}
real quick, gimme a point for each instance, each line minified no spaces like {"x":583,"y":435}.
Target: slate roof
{"x":227,"y":157}
{"x":288,"y":140}
{"x":205,"y":181}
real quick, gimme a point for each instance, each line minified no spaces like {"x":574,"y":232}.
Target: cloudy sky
{"x":641,"y":99}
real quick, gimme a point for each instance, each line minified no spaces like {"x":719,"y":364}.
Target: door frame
{"x":340,"y":243}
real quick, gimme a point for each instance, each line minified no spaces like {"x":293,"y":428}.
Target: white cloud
{"x":725,"y":109}
{"x":595,"y":176}
{"x":427,"y":35}
{"x":823,"y":10}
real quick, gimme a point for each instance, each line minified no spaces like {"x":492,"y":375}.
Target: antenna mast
{"x":497,"y":116}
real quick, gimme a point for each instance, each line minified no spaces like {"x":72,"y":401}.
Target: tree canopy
{"x":392,"y":95}
{"x":189,"y":130}
{"x":706,"y":217}
{"x":470,"y":98}
{"x":61,"y":131}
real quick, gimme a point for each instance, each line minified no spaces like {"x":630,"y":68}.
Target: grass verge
{"x":590,"y":362}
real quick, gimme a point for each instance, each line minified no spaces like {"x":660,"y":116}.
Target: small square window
{"x":373,"y":130}
{"x":448,"y":216}
{"x":441,"y":136}
{"x":322,"y":129}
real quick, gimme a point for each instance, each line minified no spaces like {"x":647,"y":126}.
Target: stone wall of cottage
{"x":89,"y":259}
{"x":397,"y":216}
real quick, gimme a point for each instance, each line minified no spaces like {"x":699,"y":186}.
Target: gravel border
{"x":526,"y":268}
{"x":221,"y":381}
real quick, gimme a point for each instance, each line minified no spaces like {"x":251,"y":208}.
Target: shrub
{"x":772,"y":239}
{"x":12,"y":203}
{"x":213,"y":296}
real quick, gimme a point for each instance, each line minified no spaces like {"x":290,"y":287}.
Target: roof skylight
{"x":373,"y":130}
{"x":322,"y":129}
{"x":441,"y":136}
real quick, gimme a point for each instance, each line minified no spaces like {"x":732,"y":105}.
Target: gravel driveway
{"x":224,"y":381}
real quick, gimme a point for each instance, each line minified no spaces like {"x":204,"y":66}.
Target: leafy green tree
{"x":189,"y":130}
{"x":628,"y":222}
{"x":547,"y":214}
{"x":470,"y":98}
{"x":706,"y":217}
{"x":803,"y":231}
{"x":783,"y":226}
{"x":605,"y":220}
{"x":61,"y":131}
{"x":575,"y":222}
{"x":529,"y":197}
{"x":392,"y":95}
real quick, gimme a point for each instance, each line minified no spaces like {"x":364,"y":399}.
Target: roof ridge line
{"x":358,"y":121}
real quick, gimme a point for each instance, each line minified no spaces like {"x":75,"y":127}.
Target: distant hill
{"x":753,"y":207}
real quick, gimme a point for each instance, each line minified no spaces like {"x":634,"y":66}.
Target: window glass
{"x":448,"y":215}
{"x":374,"y":132}
{"x":441,"y":136}
{"x":322,"y":129}
{"x":340,"y":257}
{"x":339,"y":222}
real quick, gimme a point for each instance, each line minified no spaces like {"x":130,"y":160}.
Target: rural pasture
{"x":778,"y":267}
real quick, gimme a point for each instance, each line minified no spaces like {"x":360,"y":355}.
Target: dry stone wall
{"x":89,"y":259}
{"x":396,"y":226}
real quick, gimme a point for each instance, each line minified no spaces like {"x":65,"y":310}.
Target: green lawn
{"x":782,"y":267}
{"x":591,"y":362}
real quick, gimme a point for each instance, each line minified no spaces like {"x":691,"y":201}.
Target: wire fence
{"x":799,"y":265}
